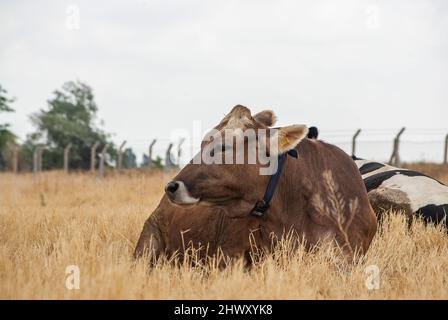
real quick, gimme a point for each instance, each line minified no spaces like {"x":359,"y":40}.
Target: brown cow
{"x":319,"y":195}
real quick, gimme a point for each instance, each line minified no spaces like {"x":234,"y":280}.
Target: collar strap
{"x":262,"y":205}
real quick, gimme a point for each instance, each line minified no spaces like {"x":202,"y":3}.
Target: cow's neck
{"x":261,"y":206}
{"x":290,"y":199}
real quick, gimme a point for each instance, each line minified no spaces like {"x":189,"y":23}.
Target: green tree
{"x":69,"y":118}
{"x":6,"y":136}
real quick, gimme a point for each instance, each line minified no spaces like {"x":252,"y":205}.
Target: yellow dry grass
{"x":55,"y":220}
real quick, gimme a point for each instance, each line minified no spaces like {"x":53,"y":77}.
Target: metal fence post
{"x":120,"y":155}
{"x":395,"y":157}
{"x":93,"y":156}
{"x":66,"y":154}
{"x":35,"y":152}
{"x":37,"y":158}
{"x":168,"y":162}
{"x":102,"y":157}
{"x":41,"y":150}
{"x":354,"y":141}
{"x":151,"y":146}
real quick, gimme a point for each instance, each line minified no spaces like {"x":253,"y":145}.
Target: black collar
{"x":262,"y":205}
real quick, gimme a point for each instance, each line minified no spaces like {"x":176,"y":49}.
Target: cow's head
{"x":236,"y":160}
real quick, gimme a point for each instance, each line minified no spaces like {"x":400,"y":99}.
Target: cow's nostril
{"x":171,"y":187}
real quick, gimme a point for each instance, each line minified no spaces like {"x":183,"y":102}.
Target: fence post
{"x":41,"y":150}
{"x":66,"y":154}
{"x":445,"y":157}
{"x":15,"y":158}
{"x":93,"y":156}
{"x":395,"y":157}
{"x":102,"y":157}
{"x":179,"y":150}
{"x":150,"y":164}
{"x":168,"y":162}
{"x":120,"y":155}
{"x":354,"y":141}
{"x":37,"y":158}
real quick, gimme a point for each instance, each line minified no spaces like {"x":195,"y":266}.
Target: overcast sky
{"x":158,"y":65}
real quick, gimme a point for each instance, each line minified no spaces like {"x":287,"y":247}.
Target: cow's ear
{"x":287,"y":138}
{"x":266,"y":117}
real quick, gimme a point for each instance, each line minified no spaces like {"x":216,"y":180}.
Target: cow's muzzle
{"x":178,"y":193}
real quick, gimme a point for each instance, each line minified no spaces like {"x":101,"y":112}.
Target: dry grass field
{"x":55,"y":220}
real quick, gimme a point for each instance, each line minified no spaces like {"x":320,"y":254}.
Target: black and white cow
{"x":390,"y":187}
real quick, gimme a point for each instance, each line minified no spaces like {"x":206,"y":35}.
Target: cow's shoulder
{"x":320,"y":157}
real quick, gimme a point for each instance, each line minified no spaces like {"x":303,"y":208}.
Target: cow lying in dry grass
{"x":401,"y":190}
{"x":409,"y":191}
{"x":317,"y":194}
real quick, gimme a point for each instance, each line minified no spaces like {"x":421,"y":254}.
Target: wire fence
{"x":385,"y":145}
{"x":415,"y":145}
